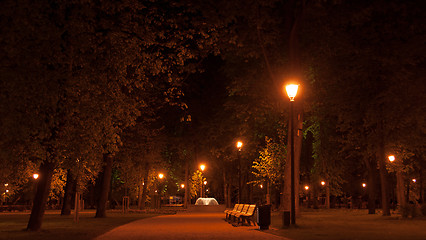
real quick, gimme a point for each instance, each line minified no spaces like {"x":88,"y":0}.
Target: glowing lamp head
{"x":205,"y":182}
{"x":261,"y":186}
{"x":35,"y":176}
{"x":182,"y":185}
{"x":414,"y":180}
{"x":160,"y":176}
{"x":364,"y":185}
{"x":391,"y":158}
{"x":239,"y":145}
{"x":291,"y":90}
{"x":306,"y":187}
{"x":6,"y":184}
{"x":322,"y":183}
{"x":7,"y":190}
{"x":202,"y":167}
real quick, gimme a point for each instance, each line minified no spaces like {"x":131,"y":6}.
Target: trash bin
{"x":264,"y":217}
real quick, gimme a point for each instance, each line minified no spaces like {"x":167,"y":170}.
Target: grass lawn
{"x":12,"y":225}
{"x":349,"y":225}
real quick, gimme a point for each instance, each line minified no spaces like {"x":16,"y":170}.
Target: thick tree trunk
{"x":381,"y":157}
{"x":371,"y":185}
{"x":68,"y":195}
{"x":400,"y":189}
{"x":145,"y":186}
{"x":185,"y":199}
{"x":225,"y":189}
{"x":105,"y":186}
{"x":327,"y":195}
{"x":40,"y":200}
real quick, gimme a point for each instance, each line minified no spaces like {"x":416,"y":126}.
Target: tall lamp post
{"x":158,"y":203}
{"x":399,"y":182}
{"x":202,"y":168}
{"x":291,"y":90}
{"x":239,"y":146}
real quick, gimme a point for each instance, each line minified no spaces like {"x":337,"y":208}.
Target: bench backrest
{"x":236,"y":207}
{"x":240,"y":207}
{"x":251,"y":209}
{"x":245,"y":208}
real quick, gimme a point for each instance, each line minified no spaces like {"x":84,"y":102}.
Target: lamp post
{"x":239,"y":146}
{"x":205,"y":188}
{"x":399,"y":182}
{"x":291,"y":90}
{"x":158,"y":202}
{"x":202,"y":168}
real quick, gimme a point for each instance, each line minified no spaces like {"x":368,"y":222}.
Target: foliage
{"x":197,"y":180}
{"x":270,"y":163}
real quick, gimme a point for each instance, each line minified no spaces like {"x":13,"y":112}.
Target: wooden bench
{"x":227,"y":212}
{"x":247,"y":216}
{"x":240,"y":209}
{"x":244,"y":210}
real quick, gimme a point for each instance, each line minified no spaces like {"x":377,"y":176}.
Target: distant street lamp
{"x":35,"y":176}
{"x":239,"y":146}
{"x":182,"y":186}
{"x":158,"y":193}
{"x":291,"y":90}
{"x":202,"y":168}
{"x":322,"y":183}
{"x":364,"y":185}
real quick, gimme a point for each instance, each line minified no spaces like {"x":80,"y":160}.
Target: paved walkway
{"x":189,"y":225}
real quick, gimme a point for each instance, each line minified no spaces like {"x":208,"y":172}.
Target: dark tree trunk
{"x":105,"y":186}
{"x":68,"y":195}
{"x":187,"y":189}
{"x":381,"y":158}
{"x":371,"y":185}
{"x":40,"y":200}
{"x":145,"y":185}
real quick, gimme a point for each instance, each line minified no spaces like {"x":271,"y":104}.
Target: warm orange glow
{"x":35,"y":175}
{"x":364,"y":185}
{"x":7,"y":190}
{"x":414,"y":180}
{"x":160,"y":176}
{"x":306,"y":187}
{"x":322,"y":183}
{"x":202,"y":167}
{"x":182,"y":185}
{"x":6,"y":184}
{"x":291,"y":90}
{"x":261,"y":186}
{"x":391,"y":158}
{"x":239,"y":145}
{"x":205,"y":182}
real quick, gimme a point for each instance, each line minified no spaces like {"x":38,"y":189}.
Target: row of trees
{"x":120,"y":90}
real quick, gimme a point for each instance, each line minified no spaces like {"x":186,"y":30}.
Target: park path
{"x":187,"y":225}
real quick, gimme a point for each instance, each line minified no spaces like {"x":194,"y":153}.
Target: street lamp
{"x":399,"y":181}
{"x":239,"y":146}
{"x":202,"y":167}
{"x":364,"y":185}
{"x":35,"y":176}
{"x":158,"y":193}
{"x":323,"y":183}
{"x":291,"y":90}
